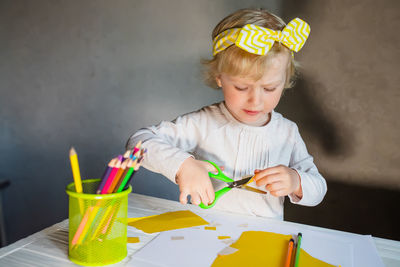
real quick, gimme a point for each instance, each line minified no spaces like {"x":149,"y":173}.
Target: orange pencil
{"x":112,"y":175}
{"x":128,"y":166}
{"x":289,"y":253}
{"x":117,"y":177}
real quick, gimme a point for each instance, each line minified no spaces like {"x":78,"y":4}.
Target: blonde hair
{"x":236,"y":61}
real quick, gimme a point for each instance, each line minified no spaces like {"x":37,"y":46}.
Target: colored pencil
{"x":127,"y":176}
{"x":296,"y":260}
{"x":112,"y":176}
{"x":289,"y":253}
{"x":73,"y":157}
{"x":128,"y":167}
{"x":136,"y":168}
{"x":136,"y":148}
{"x":127,"y":154}
{"x":107,"y":172}
{"x":117,"y":177}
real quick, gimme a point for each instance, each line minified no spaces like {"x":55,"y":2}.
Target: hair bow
{"x":259,"y":40}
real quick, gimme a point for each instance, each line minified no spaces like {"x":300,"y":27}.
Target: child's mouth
{"x":251,"y":112}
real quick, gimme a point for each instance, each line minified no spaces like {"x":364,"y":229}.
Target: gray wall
{"x":89,"y":73}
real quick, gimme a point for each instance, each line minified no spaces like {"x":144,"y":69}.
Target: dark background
{"x":90,"y":73}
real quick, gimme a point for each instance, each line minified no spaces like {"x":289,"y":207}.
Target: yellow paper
{"x":168,"y":221}
{"x":223,"y":237}
{"x":256,"y":248}
{"x":129,"y":220}
{"x":210,"y":228}
{"x":133,"y":240}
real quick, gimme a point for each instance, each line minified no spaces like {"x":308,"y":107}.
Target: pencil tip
{"x":72,"y":151}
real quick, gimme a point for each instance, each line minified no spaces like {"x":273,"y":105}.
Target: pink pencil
{"x":112,"y":176}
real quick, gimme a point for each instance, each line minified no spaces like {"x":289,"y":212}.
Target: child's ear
{"x":218,"y":81}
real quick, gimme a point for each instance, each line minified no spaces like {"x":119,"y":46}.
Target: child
{"x":252,"y":65}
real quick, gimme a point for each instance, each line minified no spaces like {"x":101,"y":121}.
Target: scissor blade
{"x":241,"y":182}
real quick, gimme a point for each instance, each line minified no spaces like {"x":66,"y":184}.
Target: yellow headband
{"x":258,"y":40}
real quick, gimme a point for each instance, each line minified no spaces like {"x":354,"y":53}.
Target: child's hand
{"x":279,"y":181}
{"x":192,"y":178}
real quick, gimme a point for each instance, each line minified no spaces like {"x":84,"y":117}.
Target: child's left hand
{"x":279,"y":181}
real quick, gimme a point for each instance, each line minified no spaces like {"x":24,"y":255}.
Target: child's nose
{"x":255,"y":97}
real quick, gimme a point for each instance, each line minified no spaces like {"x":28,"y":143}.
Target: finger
{"x":210,"y":194}
{"x":268,"y":179}
{"x":183,"y":197}
{"x":204,"y":198}
{"x":275,"y":186}
{"x":278,"y":193}
{"x":211,"y":168}
{"x":195,"y":198}
{"x":269,"y":171}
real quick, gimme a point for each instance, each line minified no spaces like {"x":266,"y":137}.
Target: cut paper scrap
{"x":133,"y":240}
{"x":223,"y":237}
{"x":167,"y":221}
{"x":177,"y":238}
{"x":227,"y":251}
{"x":257,"y":248}
{"x":210,"y":228}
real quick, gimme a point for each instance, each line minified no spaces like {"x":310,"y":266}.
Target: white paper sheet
{"x":200,"y":247}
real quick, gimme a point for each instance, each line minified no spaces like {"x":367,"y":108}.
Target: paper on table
{"x":168,"y":221}
{"x":200,"y":247}
{"x":257,"y":248}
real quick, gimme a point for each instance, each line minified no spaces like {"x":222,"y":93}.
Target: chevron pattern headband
{"x":259,"y":40}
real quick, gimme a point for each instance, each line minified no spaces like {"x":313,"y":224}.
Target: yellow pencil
{"x":73,"y":157}
{"x":75,"y":170}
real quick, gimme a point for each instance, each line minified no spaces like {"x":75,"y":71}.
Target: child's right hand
{"x":192,"y":178}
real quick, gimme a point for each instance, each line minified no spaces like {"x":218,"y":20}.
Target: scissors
{"x":231,"y":184}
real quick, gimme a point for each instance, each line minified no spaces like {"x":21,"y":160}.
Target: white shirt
{"x":212,"y":133}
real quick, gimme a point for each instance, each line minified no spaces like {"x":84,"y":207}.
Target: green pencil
{"x":296,"y":260}
{"x":126,"y":178}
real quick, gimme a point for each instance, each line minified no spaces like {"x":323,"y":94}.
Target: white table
{"x":49,"y":247}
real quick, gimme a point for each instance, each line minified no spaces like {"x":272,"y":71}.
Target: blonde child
{"x":253,"y":63}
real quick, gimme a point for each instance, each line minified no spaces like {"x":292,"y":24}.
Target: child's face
{"x":251,"y":101}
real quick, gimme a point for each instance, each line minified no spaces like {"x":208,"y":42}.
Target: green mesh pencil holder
{"x":97,"y":225}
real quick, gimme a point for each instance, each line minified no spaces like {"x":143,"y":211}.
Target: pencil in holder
{"x":97,"y":236}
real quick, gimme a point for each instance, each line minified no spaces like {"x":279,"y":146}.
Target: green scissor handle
{"x":220,"y":176}
{"x":218,"y":194}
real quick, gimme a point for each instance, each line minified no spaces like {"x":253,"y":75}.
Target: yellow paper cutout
{"x":129,"y":220}
{"x":257,"y":248}
{"x":223,"y":237}
{"x":210,"y":228}
{"x":168,"y":221}
{"x":133,"y":240}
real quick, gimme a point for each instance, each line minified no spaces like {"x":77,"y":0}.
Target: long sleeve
{"x":168,"y":144}
{"x":312,"y":183}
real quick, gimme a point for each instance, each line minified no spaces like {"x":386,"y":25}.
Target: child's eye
{"x":241,"y":88}
{"x":269,"y":89}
